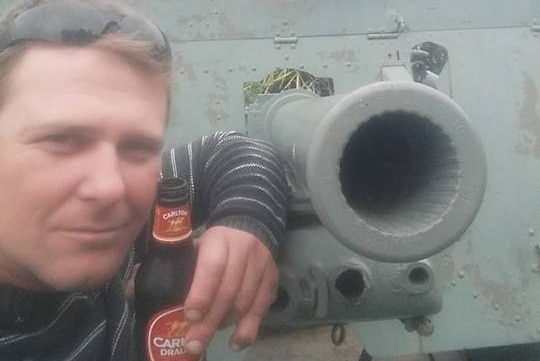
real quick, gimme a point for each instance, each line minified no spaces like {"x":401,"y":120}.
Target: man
{"x":84,"y":94}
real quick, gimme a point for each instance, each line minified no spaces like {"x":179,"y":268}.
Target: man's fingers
{"x":211,"y":264}
{"x":253,"y":276}
{"x":221,"y":302}
{"x":247,"y":327}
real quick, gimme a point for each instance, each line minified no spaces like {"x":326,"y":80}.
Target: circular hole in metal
{"x":399,"y":172}
{"x":350,"y":284}
{"x":418,"y":276}
{"x":282,"y":300}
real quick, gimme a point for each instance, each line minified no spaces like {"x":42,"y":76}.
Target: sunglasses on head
{"x":79,"y":24}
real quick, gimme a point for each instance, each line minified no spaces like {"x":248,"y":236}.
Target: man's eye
{"x":62,"y":138}
{"x":64,"y":142}
{"x":141,"y":150}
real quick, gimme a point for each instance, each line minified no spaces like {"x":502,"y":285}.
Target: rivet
{"x":293,"y":46}
{"x":254,"y":69}
{"x":453,"y":283}
{"x":206,"y":71}
{"x":517,"y":318}
{"x":230,"y":70}
{"x":475,"y":295}
{"x":531,"y":231}
{"x":286,"y":57}
{"x":301,"y":66}
{"x":348,"y":64}
{"x":278,"y":46}
{"x":496,"y":307}
{"x":461,"y":274}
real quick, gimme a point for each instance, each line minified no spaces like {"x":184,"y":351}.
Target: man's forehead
{"x":62,"y":65}
{"x":59,"y":77}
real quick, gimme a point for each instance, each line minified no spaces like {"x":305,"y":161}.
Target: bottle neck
{"x":171,"y":248}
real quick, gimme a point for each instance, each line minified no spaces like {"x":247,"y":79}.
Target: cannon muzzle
{"x":393,"y":170}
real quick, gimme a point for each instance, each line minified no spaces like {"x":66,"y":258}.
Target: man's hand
{"x":235,"y":280}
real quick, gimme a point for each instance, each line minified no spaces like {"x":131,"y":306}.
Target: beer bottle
{"x":164,"y":277}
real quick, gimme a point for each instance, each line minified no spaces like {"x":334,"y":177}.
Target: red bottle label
{"x":165,"y":336}
{"x":172,"y":224}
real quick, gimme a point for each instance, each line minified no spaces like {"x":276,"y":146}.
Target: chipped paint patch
{"x":529,"y":116}
{"x":505,"y":296}
{"x":217,"y":97}
{"x":339,"y":56}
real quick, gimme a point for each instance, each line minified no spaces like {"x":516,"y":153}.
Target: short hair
{"x":138,"y":54}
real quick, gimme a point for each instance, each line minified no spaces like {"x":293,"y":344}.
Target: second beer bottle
{"x":164,"y":277}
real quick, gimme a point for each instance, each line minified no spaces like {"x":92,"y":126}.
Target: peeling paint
{"x":529,"y":116}
{"x":217,"y":97}
{"x":228,"y":29}
{"x":506,"y":297}
{"x":186,"y":69}
{"x":340,"y":55}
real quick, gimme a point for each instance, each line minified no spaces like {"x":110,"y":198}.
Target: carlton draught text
{"x":164,"y":277}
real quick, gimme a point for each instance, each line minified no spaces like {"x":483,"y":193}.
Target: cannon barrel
{"x":393,"y":170}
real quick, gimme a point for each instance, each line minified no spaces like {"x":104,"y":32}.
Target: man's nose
{"x":104,"y":180}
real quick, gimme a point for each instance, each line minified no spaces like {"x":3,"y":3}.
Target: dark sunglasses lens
{"x":59,"y":22}
{"x":82,"y":23}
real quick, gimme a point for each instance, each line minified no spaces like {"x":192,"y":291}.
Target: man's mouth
{"x":95,"y":235}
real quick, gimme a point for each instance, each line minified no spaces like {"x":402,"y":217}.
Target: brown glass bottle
{"x":164,"y":277}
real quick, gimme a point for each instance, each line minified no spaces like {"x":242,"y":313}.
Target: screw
{"x":425,"y":327}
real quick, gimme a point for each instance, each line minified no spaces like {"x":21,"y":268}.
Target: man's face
{"x":80,"y":137}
